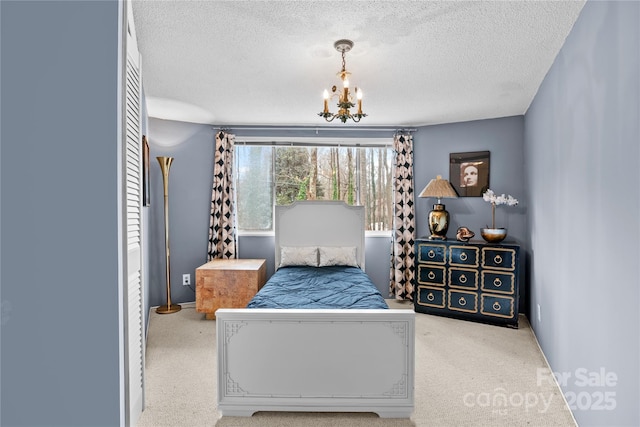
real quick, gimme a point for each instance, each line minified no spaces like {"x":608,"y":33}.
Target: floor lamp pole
{"x":165,"y":165}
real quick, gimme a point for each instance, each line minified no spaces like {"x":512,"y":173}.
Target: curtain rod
{"x":369,"y":129}
{"x":308,"y":144}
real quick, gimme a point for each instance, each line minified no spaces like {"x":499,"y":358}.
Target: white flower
{"x":491,"y":197}
{"x":511,"y":201}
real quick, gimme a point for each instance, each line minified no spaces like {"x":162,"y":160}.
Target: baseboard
{"x":555,"y":380}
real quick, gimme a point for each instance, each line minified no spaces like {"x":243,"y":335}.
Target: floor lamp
{"x":165,"y":164}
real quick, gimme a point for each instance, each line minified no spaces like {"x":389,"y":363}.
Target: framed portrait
{"x":469,"y":173}
{"x":146,"y":193}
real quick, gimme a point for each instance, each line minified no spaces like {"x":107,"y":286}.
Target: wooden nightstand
{"x":228,"y":283}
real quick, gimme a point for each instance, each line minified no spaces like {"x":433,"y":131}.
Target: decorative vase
{"x":493,"y":235}
{"x":438,"y":222}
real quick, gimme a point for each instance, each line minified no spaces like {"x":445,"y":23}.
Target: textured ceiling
{"x":417,"y":62}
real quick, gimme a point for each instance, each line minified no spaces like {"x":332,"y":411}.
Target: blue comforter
{"x":318,"y":287}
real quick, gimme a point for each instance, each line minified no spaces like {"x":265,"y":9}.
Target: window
{"x":277,"y":174}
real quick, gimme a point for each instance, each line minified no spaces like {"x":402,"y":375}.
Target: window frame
{"x":324,"y":142}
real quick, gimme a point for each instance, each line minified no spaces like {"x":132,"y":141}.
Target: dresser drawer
{"x":470,"y":280}
{"x":432,"y":253}
{"x":497,"y":306}
{"x":431,"y":274}
{"x":499,"y":258}
{"x":430,"y":297}
{"x":462,"y":278}
{"x":465,"y":256}
{"x":494,"y":281}
{"x":463,"y":301}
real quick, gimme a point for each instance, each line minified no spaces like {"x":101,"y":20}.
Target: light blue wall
{"x":59,"y":288}
{"x":190,"y":182}
{"x":59,"y":248}
{"x":503,"y":138}
{"x":582,"y":153}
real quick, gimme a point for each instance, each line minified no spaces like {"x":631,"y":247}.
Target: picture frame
{"x":146,"y":191}
{"x":469,"y":173}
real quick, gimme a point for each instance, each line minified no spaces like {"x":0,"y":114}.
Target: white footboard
{"x":315,"y":360}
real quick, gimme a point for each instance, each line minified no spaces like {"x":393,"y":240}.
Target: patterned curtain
{"x":222,"y":234}
{"x":404,"y":223}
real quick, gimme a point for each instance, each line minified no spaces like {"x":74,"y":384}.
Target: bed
{"x":321,"y":358}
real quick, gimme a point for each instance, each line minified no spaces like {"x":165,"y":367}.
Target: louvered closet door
{"x":134,"y":324}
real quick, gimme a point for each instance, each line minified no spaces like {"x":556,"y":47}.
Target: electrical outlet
{"x":539,"y":314}
{"x":186,"y":279}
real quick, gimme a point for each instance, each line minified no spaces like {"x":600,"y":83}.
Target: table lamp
{"x":438,"y":218}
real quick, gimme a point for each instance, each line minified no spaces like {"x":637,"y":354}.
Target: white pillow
{"x":338,"y":255}
{"x":298,"y":255}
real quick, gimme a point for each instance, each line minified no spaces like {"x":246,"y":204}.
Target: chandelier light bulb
{"x":345,"y":83}
{"x":359,"y":94}
{"x":326,"y":101}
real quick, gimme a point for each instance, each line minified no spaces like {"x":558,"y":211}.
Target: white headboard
{"x":320,"y":223}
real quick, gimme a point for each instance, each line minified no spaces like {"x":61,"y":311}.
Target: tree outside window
{"x":355,"y":175}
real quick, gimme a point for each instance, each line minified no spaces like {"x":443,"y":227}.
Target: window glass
{"x":254,"y":188}
{"x":284,"y":174}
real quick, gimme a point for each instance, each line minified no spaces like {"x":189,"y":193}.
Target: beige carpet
{"x":467,"y":374}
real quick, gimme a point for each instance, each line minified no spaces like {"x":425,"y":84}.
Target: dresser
{"x":228,"y":283}
{"x":468,"y":280}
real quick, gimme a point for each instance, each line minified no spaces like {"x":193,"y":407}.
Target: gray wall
{"x":59,"y":250}
{"x":59,"y":287}
{"x":190,"y":181}
{"x":503,"y":138}
{"x":581,"y":150}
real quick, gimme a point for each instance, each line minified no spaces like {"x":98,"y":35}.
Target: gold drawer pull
{"x":496,"y":306}
{"x":463,"y":279}
{"x":431,"y":254}
{"x":463,"y":256}
{"x":431,"y":275}
{"x":497,"y":259}
{"x":462,"y":301}
{"x":497,"y":282}
{"x":430,"y":296}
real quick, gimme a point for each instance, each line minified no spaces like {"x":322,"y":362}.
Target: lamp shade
{"x":439,"y":188}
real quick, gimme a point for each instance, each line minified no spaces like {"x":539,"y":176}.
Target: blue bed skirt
{"x":319,"y":287}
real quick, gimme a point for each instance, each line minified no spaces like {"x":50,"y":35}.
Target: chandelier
{"x":345,"y":99}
